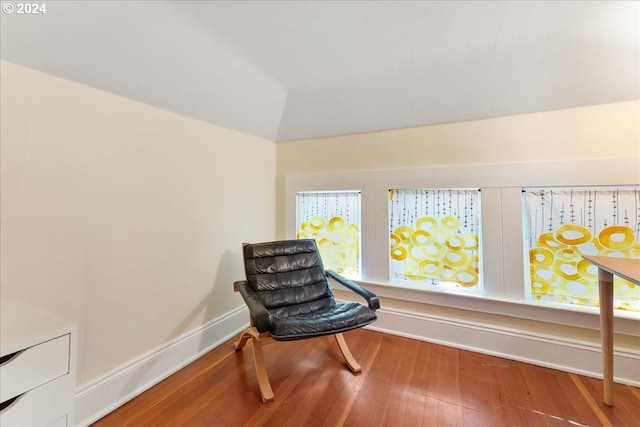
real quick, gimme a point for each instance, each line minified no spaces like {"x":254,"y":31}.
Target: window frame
{"x":502,"y":229}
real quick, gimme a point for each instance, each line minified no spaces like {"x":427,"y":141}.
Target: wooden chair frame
{"x":266,"y":392}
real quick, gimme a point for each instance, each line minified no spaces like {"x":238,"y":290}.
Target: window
{"x":561,"y":224}
{"x":435,"y":237}
{"x":333,"y":220}
{"x":494,"y":194}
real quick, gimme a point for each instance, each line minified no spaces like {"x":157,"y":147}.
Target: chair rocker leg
{"x":353,"y":365}
{"x":244,"y":337}
{"x":266,"y":393}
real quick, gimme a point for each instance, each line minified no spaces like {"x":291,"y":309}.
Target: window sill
{"x":563,"y":314}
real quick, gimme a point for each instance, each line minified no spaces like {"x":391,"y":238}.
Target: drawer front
{"x":34,"y":366}
{"x":41,"y":406}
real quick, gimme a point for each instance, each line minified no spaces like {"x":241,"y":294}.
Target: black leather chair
{"x":289,"y":298}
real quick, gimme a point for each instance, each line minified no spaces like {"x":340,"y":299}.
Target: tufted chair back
{"x":288,"y":277}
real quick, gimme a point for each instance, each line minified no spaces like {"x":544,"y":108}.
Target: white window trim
{"x":502,"y":228}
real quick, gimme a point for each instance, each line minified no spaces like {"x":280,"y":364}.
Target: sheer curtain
{"x":562,"y":224}
{"x":435,"y":237}
{"x":333,"y":220}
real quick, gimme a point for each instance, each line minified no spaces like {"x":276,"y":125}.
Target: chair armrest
{"x":372,"y":299}
{"x":259,"y":313}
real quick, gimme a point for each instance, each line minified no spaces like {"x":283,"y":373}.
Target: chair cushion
{"x":275,"y":265}
{"x":289,"y":281}
{"x":340,"y":317}
{"x":287,"y":273}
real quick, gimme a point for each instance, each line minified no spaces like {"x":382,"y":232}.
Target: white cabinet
{"x":37,"y":366}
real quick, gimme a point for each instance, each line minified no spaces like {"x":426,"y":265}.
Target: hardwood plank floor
{"x":404,"y":382}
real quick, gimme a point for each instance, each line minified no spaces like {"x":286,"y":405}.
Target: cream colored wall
{"x":601,"y":131}
{"x":123,"y":217}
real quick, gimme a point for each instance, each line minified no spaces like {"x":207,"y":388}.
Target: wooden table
{"x":628,"y":269}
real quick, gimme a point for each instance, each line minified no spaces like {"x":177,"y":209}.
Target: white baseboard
{"x":123,"y":384}
{"x":582,"y":357}
{"x":569,"y":355}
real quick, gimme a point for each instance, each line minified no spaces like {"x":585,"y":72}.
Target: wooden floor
{"x":404,"y":383}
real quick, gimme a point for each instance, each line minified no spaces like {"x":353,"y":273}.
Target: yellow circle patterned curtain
{"x":434,"y":237}
{"x":333,"y":220}
{"x":562,"y":224}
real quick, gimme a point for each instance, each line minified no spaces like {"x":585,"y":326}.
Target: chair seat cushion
{"x":338,"y":318}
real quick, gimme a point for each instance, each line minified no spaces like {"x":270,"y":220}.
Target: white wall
{"x":122,"y":217}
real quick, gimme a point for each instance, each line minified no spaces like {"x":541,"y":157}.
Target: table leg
{"x":605,"y":283}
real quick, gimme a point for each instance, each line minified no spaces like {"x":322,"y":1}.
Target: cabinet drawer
{"x":34,"y":366}
{"x":41,"y":406}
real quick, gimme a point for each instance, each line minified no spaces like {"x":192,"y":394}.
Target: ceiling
{"x":289,"y":70}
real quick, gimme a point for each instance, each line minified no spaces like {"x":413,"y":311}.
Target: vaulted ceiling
{"x":288,"y":70}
